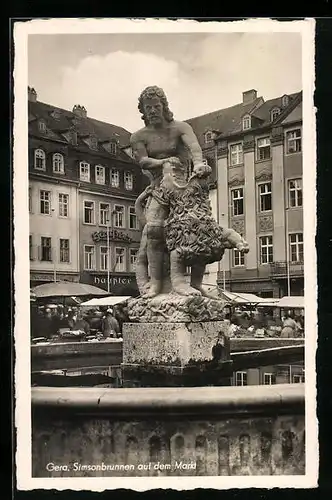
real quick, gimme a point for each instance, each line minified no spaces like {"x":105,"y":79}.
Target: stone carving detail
{"x":249,"y":145}
{"x":238,"y":225}
{"x":175,"y":308}
{"x":264,"y":175}
{"x":171,"y":447}
{"x":265,"y":223}
{"x":236,"y":181}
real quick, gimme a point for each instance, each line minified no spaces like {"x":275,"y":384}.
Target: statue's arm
{"x":190,"y":140}
{"x":140,"y":153}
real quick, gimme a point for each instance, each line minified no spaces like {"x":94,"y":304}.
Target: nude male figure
{"x":161,"y":138}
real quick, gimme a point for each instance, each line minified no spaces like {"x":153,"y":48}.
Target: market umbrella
{"x":106,"y":301}
{"x":67,"y":289}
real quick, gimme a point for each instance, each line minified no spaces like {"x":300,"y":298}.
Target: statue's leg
{"x":142,"y":276}
{"x":178,"y":268}
{"x":155,"y":256}
{"x":197,"y":275}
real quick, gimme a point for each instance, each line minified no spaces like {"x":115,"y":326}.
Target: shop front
{"x":40,"y":277}
{"x":119,"y":283}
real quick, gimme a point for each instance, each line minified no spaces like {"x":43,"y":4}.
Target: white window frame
{"x":262,"y":195}
{"x":61,"y":203}
{"x":93,"y":267}
{"x":117,"y":177}
{"x":260,"y":147}
{"x":128,"y":181}
{"x":41,"y":249}
{"x":238,"y":258}
{"x":288,"y":139}
{"x":102,"y":254}
{"x":39,"y":154}
{"x":93,"y":223}
{"x":269,"y":377}
{"x":112,"y":148}
{"x":276,"y":112}
{"x":234,"y":199}
{"x":298,"y":377}
{"x":297,"y":244}
{"x":296,"y":189}
{"x":49,"y":201}
{"x":132,"y":266}
{"x":115,"y":212}
{"x":243,"y":375}
{"x":109,"y":213}
{"x":116,"y":260}
{"x":239,"y":154}
{"x":267,"y":245}
{"x":62,"y":249}
{"x":86,"y":165}
{"x":100,"y":179}
{"x":136,"y":219}
{"x":58,"y":163}
{"x":246,"y":122}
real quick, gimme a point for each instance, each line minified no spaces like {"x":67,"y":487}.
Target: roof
{"x":222,"y":120}
{"x":291,"y":302}
{"x":84,"y":127}
{"x":228,"y":120}
{"x":241,"y":298}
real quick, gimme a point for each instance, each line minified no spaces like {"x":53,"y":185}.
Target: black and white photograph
{"x":165,"y":262}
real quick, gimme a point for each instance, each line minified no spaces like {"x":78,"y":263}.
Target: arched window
{"x":84,"y":171}
{"x":246,"y":122}
{"x":40,"y":159}
{"x":274,"y":114}
{"x":58,"y":163}
{"x":208,"y":136}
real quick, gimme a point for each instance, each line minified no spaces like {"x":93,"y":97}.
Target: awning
{"x":67,"y":289}
{"x":106,"y":301}
{"x":291,"y":302}
{"x":241,"y":298}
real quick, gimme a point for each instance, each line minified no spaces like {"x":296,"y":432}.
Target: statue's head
{"x":153,"y":106}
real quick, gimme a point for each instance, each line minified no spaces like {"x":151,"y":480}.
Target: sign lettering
{"x":114,"y":235}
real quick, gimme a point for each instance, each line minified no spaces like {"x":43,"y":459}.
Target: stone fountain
{"x":177,"y":335}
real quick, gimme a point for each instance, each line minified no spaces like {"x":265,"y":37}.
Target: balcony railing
{"x":279,"y":269}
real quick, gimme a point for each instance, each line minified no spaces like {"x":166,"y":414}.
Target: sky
{"x":199,"y":72}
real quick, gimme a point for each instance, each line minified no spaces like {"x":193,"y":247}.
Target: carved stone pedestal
{"x":175,"y":354}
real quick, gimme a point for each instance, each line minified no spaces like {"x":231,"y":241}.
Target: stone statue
{"x":161,"y":138}
{"x":179,"y":229}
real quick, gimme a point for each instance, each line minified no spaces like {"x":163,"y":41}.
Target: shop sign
{"x":114,"y":235}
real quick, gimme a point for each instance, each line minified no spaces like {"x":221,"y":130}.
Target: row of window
{"x":263,"y":147}
{"x":117,"y":264}
{"x":295,"y":198}
{"x":241,"y":378}
{"x":266,"y":250}
{"x":58,"y":165}
{"x":115,"y":218}
{"x":114,"y":263}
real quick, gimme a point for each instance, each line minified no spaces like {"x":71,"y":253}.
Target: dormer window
{"x":246,"y":122}
{"x":208,"y":136}
{"x":93,"y":142}
{"x":58,"y":163}
{"x":274,"y":114}
{"x":284,"y":101}
{"x":112,"y":148}
{"x":42,"y":126}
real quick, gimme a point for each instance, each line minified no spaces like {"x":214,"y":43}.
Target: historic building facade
{"x":82,"y":187}
{"x":255,"y":150}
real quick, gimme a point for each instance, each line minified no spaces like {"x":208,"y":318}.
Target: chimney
{"x":249,"y":96}
{"x":32,"y":94}
{"x":79,"y":111}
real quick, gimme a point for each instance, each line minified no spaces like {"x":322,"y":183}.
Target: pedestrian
{"x":110,"y":326}
{"x":289,"y":327}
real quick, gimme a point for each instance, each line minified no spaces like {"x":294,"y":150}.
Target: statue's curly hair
{"x":149,"y":93}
